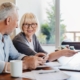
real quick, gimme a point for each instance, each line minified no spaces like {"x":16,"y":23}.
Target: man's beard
{"x":7,"y":33}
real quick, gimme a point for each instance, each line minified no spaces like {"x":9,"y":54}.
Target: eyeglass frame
{"x":28,"y":25}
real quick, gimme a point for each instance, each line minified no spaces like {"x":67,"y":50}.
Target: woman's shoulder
{"x":34,"y":37}
{"x":19,"y":36}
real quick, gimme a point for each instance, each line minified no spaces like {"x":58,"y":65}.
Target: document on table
{"x":50,"y":64}
{"x":28,"y":75}
{"x":46,"y":75}
{"x":50,"y":75}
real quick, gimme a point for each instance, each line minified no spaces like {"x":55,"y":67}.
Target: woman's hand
{"x":68,"y":52}
{"x":58,"y":54}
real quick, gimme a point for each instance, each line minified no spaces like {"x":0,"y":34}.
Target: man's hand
{"x":43,"y":55}
{"x":31,"y":62}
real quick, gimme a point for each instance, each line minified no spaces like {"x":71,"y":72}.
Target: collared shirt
{"x":7,"y":51}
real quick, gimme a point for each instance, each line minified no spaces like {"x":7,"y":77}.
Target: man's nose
{"x":17,"y":26}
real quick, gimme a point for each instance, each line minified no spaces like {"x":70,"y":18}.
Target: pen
{"x":78,"y":51}
{"x":44,"y":58}
{"x":47,"y":72}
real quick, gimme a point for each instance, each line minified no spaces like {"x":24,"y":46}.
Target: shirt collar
{"x":2,"y":36}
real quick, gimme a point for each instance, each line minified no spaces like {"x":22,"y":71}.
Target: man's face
{"x":13,"y":23}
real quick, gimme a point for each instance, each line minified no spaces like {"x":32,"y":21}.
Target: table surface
{"x":7,"y":76}
{"x":74,"y":75}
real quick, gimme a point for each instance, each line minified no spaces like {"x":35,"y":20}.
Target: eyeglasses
{"x":33,"y":25}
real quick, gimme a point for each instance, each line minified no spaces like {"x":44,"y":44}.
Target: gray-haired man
{"x":8,"y":22}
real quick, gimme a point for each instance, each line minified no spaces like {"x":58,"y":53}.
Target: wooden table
{"x":74,"y":75}
{"x":7,"y":76}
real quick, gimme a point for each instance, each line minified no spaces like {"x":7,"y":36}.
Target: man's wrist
{"x":25,"y":65}
{"x":24,"y":57}
{"x":25,"y":62}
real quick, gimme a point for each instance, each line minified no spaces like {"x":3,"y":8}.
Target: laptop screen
{"x":75,"y":59}
{"x":70,"y":63}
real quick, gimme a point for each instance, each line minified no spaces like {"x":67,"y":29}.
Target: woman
{"x":27,"y":43}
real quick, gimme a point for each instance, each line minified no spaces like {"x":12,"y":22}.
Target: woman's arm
{"x":23,"y":48}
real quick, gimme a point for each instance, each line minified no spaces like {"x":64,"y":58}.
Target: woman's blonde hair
{"x":27,"y":17}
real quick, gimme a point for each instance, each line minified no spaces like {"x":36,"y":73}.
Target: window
{"x":45,"y":12}
{"x":70,"y":15}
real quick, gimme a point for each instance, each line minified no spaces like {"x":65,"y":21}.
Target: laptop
{"x":70,"y":68}
{"x":70,"y":63}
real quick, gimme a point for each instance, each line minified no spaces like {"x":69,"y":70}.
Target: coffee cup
{"x":16,"y":68}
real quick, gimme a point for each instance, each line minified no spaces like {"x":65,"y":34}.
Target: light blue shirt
{"x":7,"y":51}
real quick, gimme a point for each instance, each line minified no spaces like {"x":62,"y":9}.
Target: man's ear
{"x":7,"y":20}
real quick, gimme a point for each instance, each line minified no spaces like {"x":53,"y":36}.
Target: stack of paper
{"x":46,"y":75}
{"x":28,"y":75}
{"x":50,"y":75}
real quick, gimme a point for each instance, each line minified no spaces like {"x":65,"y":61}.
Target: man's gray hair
{"x":6,"y":9}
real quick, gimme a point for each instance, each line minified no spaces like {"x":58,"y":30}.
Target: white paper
{"x":28,"y":75}
{"x":50,"y":76}
{"x":45,"y":75}
{"x":50,"y":64}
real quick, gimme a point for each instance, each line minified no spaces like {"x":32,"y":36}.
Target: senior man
{"x":8,"y":22}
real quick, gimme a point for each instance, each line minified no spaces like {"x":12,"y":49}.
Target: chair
{"x":75,"y":44}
